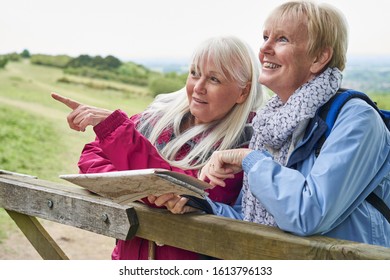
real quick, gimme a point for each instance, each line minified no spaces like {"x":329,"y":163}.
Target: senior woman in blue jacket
{"x":302,"y":56}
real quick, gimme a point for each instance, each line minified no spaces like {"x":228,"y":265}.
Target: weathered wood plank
{"x":39,"y":238}
{"x":67,"y":205}
{"x":206,"y":234}
{"x":231,"y":239}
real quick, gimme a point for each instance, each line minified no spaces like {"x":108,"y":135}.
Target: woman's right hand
{"x":82,"y":115}
{"x":173,"y":202}
{"x":223,"y":165}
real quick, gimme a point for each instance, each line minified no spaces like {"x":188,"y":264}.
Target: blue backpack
{"x":329,"y":113}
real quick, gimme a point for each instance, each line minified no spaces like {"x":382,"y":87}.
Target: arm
{"x":228,"y":211}
{"x":324,"y":192}
{"x":128,"y":149}
{"x":93,"y":159}
{"x":119,"y":146}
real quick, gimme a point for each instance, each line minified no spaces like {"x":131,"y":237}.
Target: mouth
{"x":197,"y":100}
{"x":270,"y":65}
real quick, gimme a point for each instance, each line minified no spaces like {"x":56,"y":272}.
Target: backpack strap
{"x":334,"y":105}
{"x":329,"y":112}
{"x":379,"y":204}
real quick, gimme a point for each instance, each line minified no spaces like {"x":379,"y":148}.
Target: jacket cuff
{"x":112,"y":122}
{"x":199,"y":203}
{"x":252,"y":158}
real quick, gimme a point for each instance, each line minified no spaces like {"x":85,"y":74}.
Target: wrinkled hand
{"x":223,"y":165}
{"x":174,"y":203}
{"x":82,"y":115}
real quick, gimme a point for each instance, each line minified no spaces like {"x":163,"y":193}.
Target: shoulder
{"x":136,"y":118}
{"x":360,"y":111}
{"x":357,"y":116}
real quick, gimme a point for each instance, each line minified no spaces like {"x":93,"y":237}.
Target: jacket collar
{"x":316,"y":128}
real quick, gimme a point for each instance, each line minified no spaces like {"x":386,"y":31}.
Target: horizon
{"x":373,"y":58}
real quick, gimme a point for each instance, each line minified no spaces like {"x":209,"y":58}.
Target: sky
{"x":140,"y":30}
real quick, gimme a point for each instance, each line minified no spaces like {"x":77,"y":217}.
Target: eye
{"x":283,"y":39}
{"x":265,"y":38}
{"x":215,"y":79}
{"x":194,"y":74}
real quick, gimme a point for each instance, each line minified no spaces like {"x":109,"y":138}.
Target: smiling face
{"x":286,"y":64}
{"x":211,"y":94}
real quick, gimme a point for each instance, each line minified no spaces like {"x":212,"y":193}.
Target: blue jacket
{"x":326,"y":195}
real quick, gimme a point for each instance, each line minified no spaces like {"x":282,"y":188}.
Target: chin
{"x":267,"y":83}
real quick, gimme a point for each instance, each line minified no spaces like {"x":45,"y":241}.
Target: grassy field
{"x":34,"y":135}
{"x":382,"y":100}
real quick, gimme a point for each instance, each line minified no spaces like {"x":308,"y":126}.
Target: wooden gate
{"x":27,"y":198}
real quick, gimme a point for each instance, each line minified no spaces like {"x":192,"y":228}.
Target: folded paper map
{"x":132,"y":185}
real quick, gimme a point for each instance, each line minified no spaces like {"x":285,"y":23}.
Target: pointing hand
{"x":82,"y":115}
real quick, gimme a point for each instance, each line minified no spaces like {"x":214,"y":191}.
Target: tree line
{"x":13,"y":57}
{"x":107,"y":68}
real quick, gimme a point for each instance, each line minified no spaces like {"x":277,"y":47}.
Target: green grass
{"x":382,"y":100}
{"x":28,"y":143}
{"x":6,"y":225}
{"x":34,"y":135}
{"x":26,"y":147}
{"x":33,"y":83}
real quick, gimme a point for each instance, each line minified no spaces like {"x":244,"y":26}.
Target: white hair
{"x":234,"y":59}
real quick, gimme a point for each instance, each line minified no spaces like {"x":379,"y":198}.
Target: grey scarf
{"x":273,"y":128}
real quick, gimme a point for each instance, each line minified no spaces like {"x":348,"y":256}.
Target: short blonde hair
{"x":326,"y":26}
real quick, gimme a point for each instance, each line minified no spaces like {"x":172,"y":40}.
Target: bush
{"x":165,"y":85}
{"x":106,"y":75}
{"x":13,"y":56}
{"x":3,"y":62}
{"x":133,"y":70}
{"x":59,"y":61}
{"x":25,"y":54}
{"x":108,"y":63}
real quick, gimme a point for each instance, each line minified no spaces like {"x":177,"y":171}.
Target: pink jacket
{"x":119,"y":146}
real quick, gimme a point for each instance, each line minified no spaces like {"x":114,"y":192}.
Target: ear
{"x":321,"y":60}
{"x":244,"y":93}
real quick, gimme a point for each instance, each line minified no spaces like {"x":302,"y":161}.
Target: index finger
{"x":72,"y":104}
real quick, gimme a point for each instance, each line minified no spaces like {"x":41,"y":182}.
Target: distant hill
{"x":370,"y":74}
{"x":164,"y":65}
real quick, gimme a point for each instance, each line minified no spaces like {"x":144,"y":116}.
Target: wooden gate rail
{"x":25,"y":198}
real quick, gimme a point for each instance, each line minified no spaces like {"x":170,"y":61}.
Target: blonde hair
{"x":238,"y":62}
{"x":326,"y":26}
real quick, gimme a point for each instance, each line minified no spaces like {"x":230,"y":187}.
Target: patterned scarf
{"x":274,"y":126}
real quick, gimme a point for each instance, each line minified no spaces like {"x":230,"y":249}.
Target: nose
{"x":267,"y":48}
{"x":200,"y":86}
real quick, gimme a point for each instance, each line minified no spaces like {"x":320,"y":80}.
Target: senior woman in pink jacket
{"x":178,"y":131}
